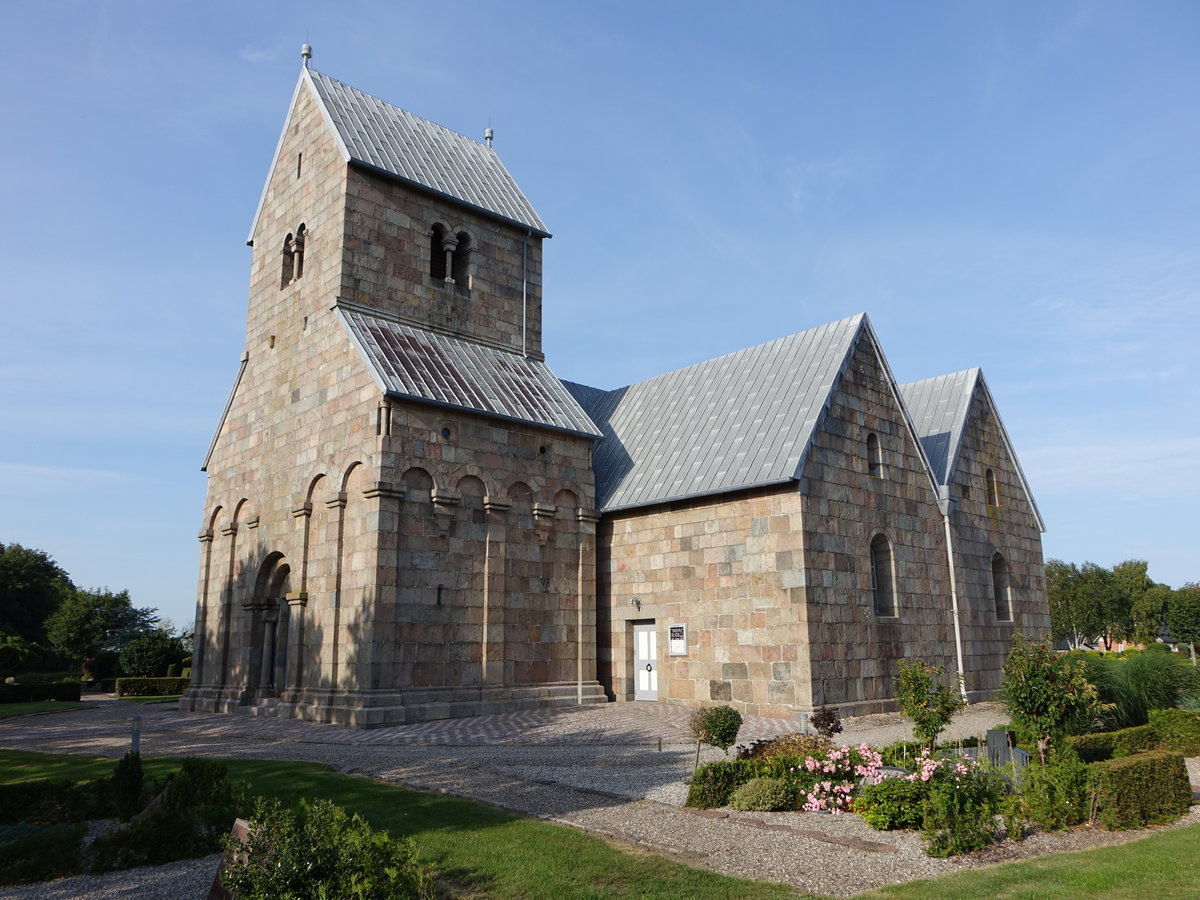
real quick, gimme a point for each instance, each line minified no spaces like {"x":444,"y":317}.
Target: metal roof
{"x":938,"y":408}
{"x":739,"y":421}
{"x":446,"y":371}
{"x":406,"y":146}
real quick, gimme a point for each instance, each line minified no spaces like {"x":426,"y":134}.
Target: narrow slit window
{"x":882,"y":581}
{"x":874,"y":457}
{"x":287,"y":262}
{"x":1002,"y":588}
{"x":993,"y":494}
{"x":460,"y":263}
{"x":437,"y":253}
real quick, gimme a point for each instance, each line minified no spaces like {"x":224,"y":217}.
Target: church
{"x":409,"y":516}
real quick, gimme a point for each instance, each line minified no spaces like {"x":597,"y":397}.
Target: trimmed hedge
{"x":53,"y":802}
{"x":1177,"y":729}
{"x":24,"y":693}
{"x":150,"y":687}
{"x":715,"y":782}
{"x":1146,"y":789}
{"x":1114,"y":744}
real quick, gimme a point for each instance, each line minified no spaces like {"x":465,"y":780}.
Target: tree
{"x":1046,"y":694}
{"x":1073,"y":617}
{"x":149,"y":653}
{"x":32,"y":587}
{"x":1101,"y":588}
{"x":90,"y":621}
{"x":924,"y":698}
{"x":1183,"y":616}
{"x":1146,"y":599}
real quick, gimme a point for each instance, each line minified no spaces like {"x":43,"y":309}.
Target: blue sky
{"x":1008,"y":185}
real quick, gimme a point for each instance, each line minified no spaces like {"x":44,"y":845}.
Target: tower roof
{"x":394,"y":142}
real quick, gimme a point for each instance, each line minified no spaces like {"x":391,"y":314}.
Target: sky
{"x":1011,"y":185}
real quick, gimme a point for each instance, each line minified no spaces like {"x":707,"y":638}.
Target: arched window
{"x":288,"y":261}
{"x":460,"y":265}
{"x":437,"y":253}
{"x":874,"y":457}
{"x":882,"y":581}
{"x":298,"y":253}
{"x":1002,"y":588}
{"x":993,"y":495}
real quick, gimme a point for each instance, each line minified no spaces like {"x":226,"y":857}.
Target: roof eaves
{"x":225,"y":412}
{"x":1012,"y":454}
{"x":698,"y":495}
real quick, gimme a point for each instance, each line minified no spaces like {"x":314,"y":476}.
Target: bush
{"x":39,"y":853}
{"x":800,"y":745}
{"x":713,"y":783}
{"x":55,"y":802}
{"x":1146,"y":789}
{"x":960,"y":808}
{"x":150,"y":687}
{"x":1113,"y":744}
{"x":716,"y":725}
{"x":1177,"y":730}
{"x":827,"y":721}
{"x":127,"y":786}
{"x":320,"y":851}
{"x":149,"y":653}
{"x":1137,"y":682}
{"x":763,"y":795}
{"x":24,"y":693}
{"x":894,"y":803}
{"x":1055,"y":796}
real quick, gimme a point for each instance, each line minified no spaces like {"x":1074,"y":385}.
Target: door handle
{"x":649,"y":667}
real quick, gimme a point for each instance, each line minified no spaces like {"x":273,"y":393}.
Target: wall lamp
{"x":635,"y":603}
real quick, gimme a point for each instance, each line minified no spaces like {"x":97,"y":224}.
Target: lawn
{"x":34,"y":706}
{"x":483,"y":852}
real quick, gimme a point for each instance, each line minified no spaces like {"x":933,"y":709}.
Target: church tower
{"x":400,"y":517}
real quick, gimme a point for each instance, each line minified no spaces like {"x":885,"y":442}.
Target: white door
{"x":645,"y":662}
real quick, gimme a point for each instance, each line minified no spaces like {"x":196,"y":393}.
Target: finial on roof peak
{"x":306,"y":53}
{"x":488,"y":134}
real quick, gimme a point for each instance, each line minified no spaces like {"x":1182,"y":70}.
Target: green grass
{"x":483,"y":852}
{"x":35,"y":706}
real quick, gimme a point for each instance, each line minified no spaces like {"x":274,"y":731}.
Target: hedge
{"x":1146,"y":789}
{"x":715,"y":782}
{"x":24,"y":693}
{"x":1177,"y":729}
{"x":1113,"y":744}
{"x":150,"y":687}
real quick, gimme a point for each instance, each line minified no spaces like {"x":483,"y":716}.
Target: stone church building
{"x":410,"y":517}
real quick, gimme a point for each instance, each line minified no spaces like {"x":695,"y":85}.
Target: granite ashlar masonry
{"x":410,"y":517}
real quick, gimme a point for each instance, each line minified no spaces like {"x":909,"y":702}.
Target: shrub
{"x":893,"y":803}
{"x":715,"y":725}
{"x":836,"y":776}
{"x":149,"y":653}
{"x":713,"y":783}
{"x":320,"y":851}
{"x":127,"y":786}
{"x":1109,"y":744}
{"x":763,"y":795}
{"x":1177,"y":730}
{"x":922,"y":697}
{"x":827,"y":721}
{"x":1146,"y":789}
{"x":960,"y":807}
{"x":55,"y":802}
{"x":23,"y":693}
{"x":39,"y":853}
{"x":1137,"y":682}
{"x":150,"y":687}
{"x":800,"y":745}
{"x":1055,"y":796}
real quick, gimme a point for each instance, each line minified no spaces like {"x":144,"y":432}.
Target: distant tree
{"x":1146,"y":599}
{"x":1073,"y":616}
{"x":1183,"y":616}
{"x":32,"y":587}
{"x":88,"y":622}
{"x":1102,"y":589}
{"x":1046,"y":694}
{"x":149,"y":653}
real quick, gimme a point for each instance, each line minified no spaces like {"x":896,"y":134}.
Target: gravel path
{"x":618,"y":770}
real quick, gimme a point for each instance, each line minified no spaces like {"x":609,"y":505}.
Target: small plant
{"x":923,"y":698}
{"x":127,"y":786}
{"x":831,"y":780}
{"x":321,"y":851}
{"x":1055,"y":796}
{"x":961,"y":806}
{"x":827,"y":721}
{"x":763,"y":795}
{"x":713,"y":783}
{"x":715,"y":725}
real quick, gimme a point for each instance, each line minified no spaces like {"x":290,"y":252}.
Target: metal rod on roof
{"x":525,"y":294}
